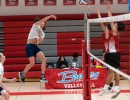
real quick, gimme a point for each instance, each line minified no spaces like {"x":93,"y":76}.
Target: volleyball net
{"x":94,"y":50}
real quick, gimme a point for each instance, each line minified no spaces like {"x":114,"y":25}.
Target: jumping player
{"x":35,"y":37}
{"x":110,"y":39}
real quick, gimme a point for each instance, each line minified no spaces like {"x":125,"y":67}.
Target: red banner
{"x":73,"y":78}
{"x":104,"y":2}
{"x":122,"y":1}
{"x":11,"y":2}
{"x":31,"y":2}
{"x":69,"y":2}
{"x":49,"y":2}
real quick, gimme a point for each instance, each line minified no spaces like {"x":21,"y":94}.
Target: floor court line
{"x":56,"y":92}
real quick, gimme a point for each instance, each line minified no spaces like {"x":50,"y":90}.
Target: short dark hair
{"x":108,"y":26}
{"x":44,"y":28}
{"x":75,"y":55}
{"x":50,"y":64}
{"x":36,"y":19}
{"x":121,"y":26}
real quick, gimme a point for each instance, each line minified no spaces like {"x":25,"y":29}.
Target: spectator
{"x":50,"y":65}
{"x":75,"y":62}
{"x":92,"y":62}
{"x":61,"y":63}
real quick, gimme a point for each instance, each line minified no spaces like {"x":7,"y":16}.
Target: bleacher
{"x":15,"y":36}
{"x":63,"y":37}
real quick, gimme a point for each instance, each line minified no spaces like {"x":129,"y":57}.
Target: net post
{"x":87,"y":31}
{"x":85,"y":25}
{"x":86,"y":73}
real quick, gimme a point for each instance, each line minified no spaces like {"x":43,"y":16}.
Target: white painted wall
{"x":58,"y":9}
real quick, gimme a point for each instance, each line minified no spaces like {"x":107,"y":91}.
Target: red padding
{"x":61,"y":35}
{"x":14,"y":48}
{"x":125,"y":71}
{"x":70,"y":41}
{"x":125,"y":34}
{"x":122,"y":40}
{"x":127,"y":28}
{"x":95,"y":40}
{"x":126,"y":22}
{"x":20,"y":67}
{"x":124,"y":64}
{"x":96,"y":46}
{"x":125,"y":58}
{"x":30,"y":74}
{"x":15,"y":54}
{"x":124,"y":46}
{"x":100,"y":46}
{"x":18,"y":23}
{"x":68,"y":52}
{"x":31,"y":17}
{"x":15,"y":35}
{"x":17,"y":30}
{"x":69,"y":47}
{"x":124,"y":51}
{"x":16,"y":61}
{"x":15,"y":42}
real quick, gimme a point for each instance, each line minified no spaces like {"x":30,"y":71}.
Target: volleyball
{"x":83,"y":2}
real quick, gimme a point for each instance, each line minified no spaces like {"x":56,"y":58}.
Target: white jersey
{"x":1,"y":69}
{"x":34,"y":32}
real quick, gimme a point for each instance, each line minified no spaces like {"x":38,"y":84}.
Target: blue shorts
{"x":32,"y":50}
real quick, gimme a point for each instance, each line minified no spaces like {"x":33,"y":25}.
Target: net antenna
{"x":86,"y":23}
{"x":123,"y":17}
{"x":87,"y":4}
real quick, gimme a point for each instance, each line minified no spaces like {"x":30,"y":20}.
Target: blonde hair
{"x":1,"y":55}
{"x":36,"y":19}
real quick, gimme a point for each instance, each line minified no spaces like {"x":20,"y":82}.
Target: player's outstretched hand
{"x":53,"y":16}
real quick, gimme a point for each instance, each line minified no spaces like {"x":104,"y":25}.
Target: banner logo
{"x":70,"y":76}
{"x":94,"y":75}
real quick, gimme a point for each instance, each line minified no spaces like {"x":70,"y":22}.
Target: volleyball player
{"x":35,"y":37}
{"x":110,"y":40}
{"x":3,"y":90}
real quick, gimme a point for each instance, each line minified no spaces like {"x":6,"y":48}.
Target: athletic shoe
{"x":43,"y":79}
{"x":110,"y":89}
{"x":102,"y":92}
{"x":115,"y":93}
{"x":21,"y":76}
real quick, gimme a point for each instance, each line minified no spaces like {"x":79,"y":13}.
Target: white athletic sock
{"x":117,"y":88}
{"x":42,"y":75}
{"x":106,"y":86}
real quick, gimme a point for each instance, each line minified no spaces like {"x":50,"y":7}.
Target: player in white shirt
{"x":3,"y":90}
{"x":35,"y":37}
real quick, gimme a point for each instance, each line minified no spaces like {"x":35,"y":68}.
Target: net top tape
{"x":123,"y":17}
